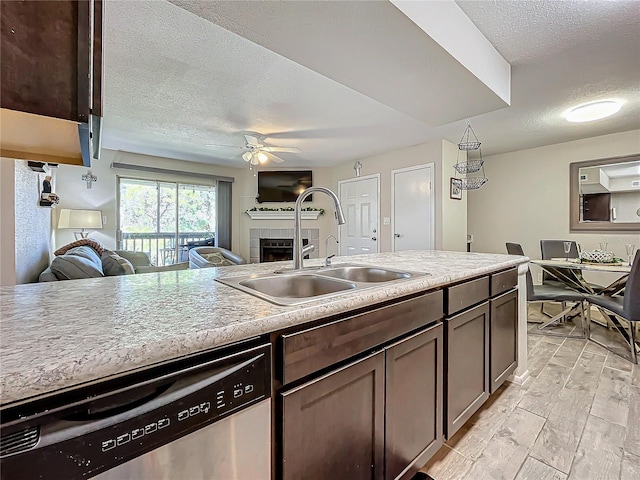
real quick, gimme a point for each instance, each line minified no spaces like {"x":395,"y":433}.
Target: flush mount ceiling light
{"x":592,"y":111}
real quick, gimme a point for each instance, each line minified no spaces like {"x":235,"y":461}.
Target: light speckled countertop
{"x":61,"y":334}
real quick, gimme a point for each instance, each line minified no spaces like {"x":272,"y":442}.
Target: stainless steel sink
{"x":364,"y":274}
{"x":293,"y":287}
{"x":296,"y":286}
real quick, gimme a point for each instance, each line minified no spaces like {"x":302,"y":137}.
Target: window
{"x":163,"y":218}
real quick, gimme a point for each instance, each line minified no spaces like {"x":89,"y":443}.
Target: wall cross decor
{"x":89,"y":178}
{"x":357,"y":166}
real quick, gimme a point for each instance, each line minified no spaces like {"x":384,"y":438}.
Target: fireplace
{"x":310,"y":236}
{"x":276,"y":249}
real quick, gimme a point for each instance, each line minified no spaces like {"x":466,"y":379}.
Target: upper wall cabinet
{"x":51,"y":67}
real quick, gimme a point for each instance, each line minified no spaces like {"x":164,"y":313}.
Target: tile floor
{"x":576,"y":418}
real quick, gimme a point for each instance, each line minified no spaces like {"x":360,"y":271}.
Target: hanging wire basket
{"x":469,"y":140}
{"x":472,"y":183}
{"x":471,"y":166}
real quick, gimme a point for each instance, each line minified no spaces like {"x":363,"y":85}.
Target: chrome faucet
{"x":327,"y":261}
{"x":298,"y":252}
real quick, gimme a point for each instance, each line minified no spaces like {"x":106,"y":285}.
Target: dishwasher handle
{"x":66,"y":429}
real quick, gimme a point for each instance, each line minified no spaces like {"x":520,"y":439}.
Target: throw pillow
{"x":216,"y":259}
{"x":97,"y":246}
{"x":80,"y":262}
{"x":113,"y":264}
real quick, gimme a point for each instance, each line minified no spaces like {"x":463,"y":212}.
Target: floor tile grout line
{"x":575,"y":364}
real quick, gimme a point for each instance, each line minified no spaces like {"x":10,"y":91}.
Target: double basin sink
{"x":296,"y":287}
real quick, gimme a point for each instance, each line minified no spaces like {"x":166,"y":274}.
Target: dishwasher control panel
{"x":179,"y":407}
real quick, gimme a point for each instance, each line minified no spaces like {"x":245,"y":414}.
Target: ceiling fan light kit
{"x":469,"y":142}
{"x":257,"y":153}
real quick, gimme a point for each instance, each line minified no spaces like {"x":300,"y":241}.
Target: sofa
{"x":93,"y":261}
{"x":206,"y":257}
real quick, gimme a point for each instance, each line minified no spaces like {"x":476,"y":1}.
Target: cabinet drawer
{"x":466,"y":294}
{"x":503,"y":281}
{"x":311,"y":350}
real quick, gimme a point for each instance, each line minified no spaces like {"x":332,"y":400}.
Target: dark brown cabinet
{"x":333,"y":427}
{"x":51,"y":67}
{"x":413,"y":426}
{"x":47,"y":60}
{"x":375,"y":418}
{"x":504,"y":338}
{"x":466,"y":364}
{"x":380,"y":417}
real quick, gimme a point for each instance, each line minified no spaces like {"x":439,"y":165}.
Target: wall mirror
{"x":605,"y":195}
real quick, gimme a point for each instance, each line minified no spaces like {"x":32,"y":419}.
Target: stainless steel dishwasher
{"x":198,"y":418}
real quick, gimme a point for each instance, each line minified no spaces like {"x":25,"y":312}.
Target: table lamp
{"x":80,"y":219}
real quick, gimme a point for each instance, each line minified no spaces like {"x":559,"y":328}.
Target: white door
{"x":359,"y":199}
{"x":412,"y":208}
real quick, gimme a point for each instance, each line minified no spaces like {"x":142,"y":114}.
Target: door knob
{"x":374,"y":238}
{"x":397,"y":235}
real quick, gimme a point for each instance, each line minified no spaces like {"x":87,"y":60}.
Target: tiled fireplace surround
{"x":255,"y":234}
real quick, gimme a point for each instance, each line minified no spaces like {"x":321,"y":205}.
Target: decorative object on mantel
{"x":357,"y":166}
{"x":469,"y":142}
{"x":80,"y":219}
{"x":283,"y":213}
{"x":89,"y":178}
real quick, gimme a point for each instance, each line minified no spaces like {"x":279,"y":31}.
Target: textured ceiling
{"x":175,"y":81}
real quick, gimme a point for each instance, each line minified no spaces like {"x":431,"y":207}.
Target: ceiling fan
{"x":257,"y":152}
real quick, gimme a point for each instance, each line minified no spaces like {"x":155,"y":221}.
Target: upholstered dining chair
{"x":555,"y":249}
{"x":626,"y":307}
{"x":550,"y":293}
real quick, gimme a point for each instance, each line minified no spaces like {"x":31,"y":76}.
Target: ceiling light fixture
{"x":262,"y":157}
{"x":246,"y":156}
{"x":592,"y":111}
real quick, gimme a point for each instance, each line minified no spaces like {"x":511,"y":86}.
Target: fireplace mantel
{"x":281,"y":215}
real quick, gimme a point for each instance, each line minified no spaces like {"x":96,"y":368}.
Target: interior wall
{"x":247,"y":185}
{"x":7,"y":222}
{"x":450,"y":221}
{"x":527,"y":196}
{"x":454,"y":212}
{"x":74,"y":193}
{"x":25,"y":226}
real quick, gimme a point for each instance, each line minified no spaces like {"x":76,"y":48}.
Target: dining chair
{"x":555,"y":249}
{"x":551,"y":293}
{"x":625,"y":307}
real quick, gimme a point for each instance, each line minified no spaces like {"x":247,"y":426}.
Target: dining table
{"x":569,"y":272}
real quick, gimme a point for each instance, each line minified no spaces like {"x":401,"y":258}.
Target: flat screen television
{"x":283,"y":186}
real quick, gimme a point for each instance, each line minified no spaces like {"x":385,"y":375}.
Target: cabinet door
{"x":413,"y":426}
{"x":45,"y":58}
{"x":504,"y":338}
{"x":467,"y":365}
{"x":333,"y":426}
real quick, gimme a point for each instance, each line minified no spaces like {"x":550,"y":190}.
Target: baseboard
{"x":519,"y":379}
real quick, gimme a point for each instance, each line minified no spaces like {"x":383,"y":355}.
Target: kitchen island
{"x":61,"y":334}
{"x":362,"y":383}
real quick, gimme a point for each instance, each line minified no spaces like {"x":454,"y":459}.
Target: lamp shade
{"x":80,"y":219}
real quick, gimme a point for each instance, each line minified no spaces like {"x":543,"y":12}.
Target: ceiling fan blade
{"x":274,"y":158}
{"x":224,"y":146}
{"x":251,"y":140}
{"x":282,"y":149}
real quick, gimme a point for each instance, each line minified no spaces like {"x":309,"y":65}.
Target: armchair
{"x":205,"y":257}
